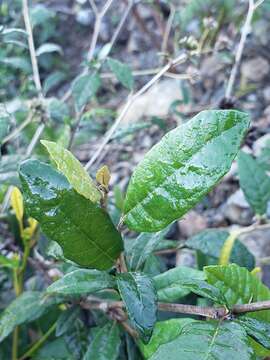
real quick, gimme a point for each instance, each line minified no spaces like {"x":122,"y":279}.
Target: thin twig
{"x":147,"y":72}
{"x":168,"y":29}
{"x":238,"y":56}
{"x":17,"y":131}
{"x":37,"y":82}
{"x":205,"y":311}
{"x":31,"y":45}
{"x":39,"y":343}
{"x":34,"y":140}
{"x":130,"y":101}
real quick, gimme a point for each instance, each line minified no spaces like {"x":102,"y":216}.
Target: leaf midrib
{"x":158,"y":186}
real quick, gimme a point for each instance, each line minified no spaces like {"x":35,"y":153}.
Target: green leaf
{"x":82,"y":281}
{"x":11,"y":263}
{"x":49,"y":48}
{"x":239,"y":286}
{"x":164,"y":332}
{"x":58,"y":110}
{"x":66,"y":320}
{"x":207,"y":340}
{"x":73,"y":170}
{"x":54,"y":350}
{"x":260,"y":351}
{"x":122,"y":72}
{"x":27,"y":307}
{"x":53,"y":80}
{"x":203,"y":289}
{"x":105,"y":345}
{"x":182,"y":168}
{"x":84,"y":88}
{"x":142,"y":247}
{"x":211,"y":241}
{"x":83,"y":229}
{"x":254,"y":182}
{"x":169,"y":284}
{"x":18,"y":63}
{"x":258,"y":330}
{"x":138,"y":293}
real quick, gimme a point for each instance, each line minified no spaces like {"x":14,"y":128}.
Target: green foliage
{"x":76,"y":223}
{"x":82,"y":281}
{"x":105,"y":344}
{"x":258,"y":330}
{"x":122,"y":72}
{"x":69,"y":166}
{"x":169,"y":284}
{"x":201,"y":340}
{"x":84,"y":88}
{"x":177,"y":172}
{"x":239,"y":286}
{"x":142,"y":247}
{"x":164,"y":332}
{"x":27,"y":307}
{"x":210,"y":243}
{"x":126,"y":283}
{"x":139,"y":295}
{"x":254,"y":182}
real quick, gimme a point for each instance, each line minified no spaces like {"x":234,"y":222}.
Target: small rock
{"x":211,"y":66}
{"x":237,"y":209}
{"x":255,"y":69}
{"x":191,"y":224}
{"x":258,"y":243}
{"x":85,"y":17}
{"x":266,"y":94}
{"x":261,"y":143}
{"x":155,"y":102}
{"x":185,"y":257}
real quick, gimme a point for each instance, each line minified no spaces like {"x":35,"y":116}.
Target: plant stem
{"x":15,"y":338}
{"x":18,"y":275}
{"x":238,"y":56}
{"x":180,"y":59}
{"x":39,"y":343}
{"x":31,"y":45}
{"x":205,"y":311}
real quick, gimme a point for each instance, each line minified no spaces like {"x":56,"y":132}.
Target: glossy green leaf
{"x":84,"y":88}
{"x":27,"y":307}
{"x":182,"y":168}
{"x":83,"y":229}
{"x":207,"y":340}
{"x":258,"y":330}
{"x":73,"y":170}
{"x":142,"y":247}
{"x":211,"y":241}
{"x":164,"y":332}
{"x":105,"y":345}
{"x":254,"y":182}
{"x":82,"y":281}
{"x":138,"y":293}
{"x":202,"y":288}
{"x":239,"y":286}
{"x":122,"y":72}
{"x":169,"y":285}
